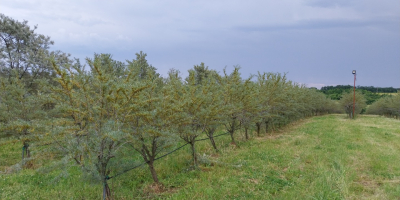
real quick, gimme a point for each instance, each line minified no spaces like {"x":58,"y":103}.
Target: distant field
{"x":327,"y":157}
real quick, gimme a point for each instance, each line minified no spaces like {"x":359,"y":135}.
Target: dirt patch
{"x":269,"y":137}
{"x":206,"y":169}
{"x":368,"y":184}
{"x":154,"y":188}
{"x":255,"y":181}
{"x":157,"y":190}
{"x":214,"y":155}
{"x":375,"y":184}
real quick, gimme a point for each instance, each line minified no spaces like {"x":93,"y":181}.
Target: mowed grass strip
{"x":326,"y":157}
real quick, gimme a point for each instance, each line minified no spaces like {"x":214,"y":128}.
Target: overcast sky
{"x":317,"y":42}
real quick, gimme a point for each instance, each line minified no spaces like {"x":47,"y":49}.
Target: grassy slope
{"x":326,"y":157}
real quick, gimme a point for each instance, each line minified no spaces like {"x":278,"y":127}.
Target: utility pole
{"x":354,"y":92}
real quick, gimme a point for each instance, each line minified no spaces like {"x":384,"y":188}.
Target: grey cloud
{"x":85,"y":21}
{"x":320,"y":24}
{"x":79,"y":19}
{"x":328,"y":3}
{"x":316,"y":41}
{"x":18,"y":4}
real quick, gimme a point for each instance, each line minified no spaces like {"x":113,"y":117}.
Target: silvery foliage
{"x":25,"y":51}
{"x":93,"y":106}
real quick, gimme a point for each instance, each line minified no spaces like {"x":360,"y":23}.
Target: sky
{"x":316,"y":42}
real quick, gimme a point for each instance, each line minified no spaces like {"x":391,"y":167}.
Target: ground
{"x":325,"y":157}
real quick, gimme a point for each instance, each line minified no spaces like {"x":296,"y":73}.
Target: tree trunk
{"x":148,"y":157}
{"x":233,"y":138}
{"x":193,"y":152}
{"x":266,"y":126}
{"x":106,"y":191}
{"x":25,"y":151}
{"x":213,"y":143}
{"x":210,"y":134}
{"x":153,"y":171}
{"x":28,"y":152}
{"x":258,"y":128}
{"x":273,"y":127}
{"x":245,"y":133}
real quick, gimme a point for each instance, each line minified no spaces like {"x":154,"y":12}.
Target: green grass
{"x":327,"y":157}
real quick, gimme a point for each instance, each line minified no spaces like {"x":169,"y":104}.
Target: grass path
{"x":326,"y":157}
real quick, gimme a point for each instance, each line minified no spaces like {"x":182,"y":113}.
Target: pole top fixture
{"x":354,"y":71}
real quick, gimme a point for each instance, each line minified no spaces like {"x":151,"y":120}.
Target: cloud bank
{"x":317,"y":42}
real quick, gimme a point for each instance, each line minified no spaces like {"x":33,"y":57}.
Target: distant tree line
{"x":367,"y":88}
{"x":370,"y":93}
{"x":379,"y":89}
